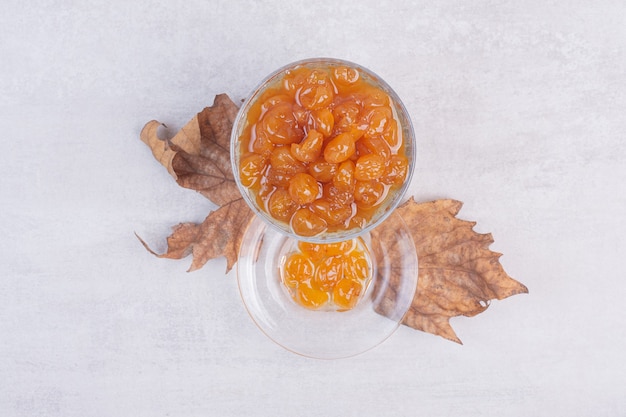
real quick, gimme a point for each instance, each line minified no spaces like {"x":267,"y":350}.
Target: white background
{"x":519,"y":109}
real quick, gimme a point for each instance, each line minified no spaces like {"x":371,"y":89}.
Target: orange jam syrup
{"x":322,"y":150}
{"x":328,"y":276}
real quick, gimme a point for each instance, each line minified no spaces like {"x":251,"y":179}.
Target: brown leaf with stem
{"x":199,"y":159}
{"x":220,"y":234}
{"x":458,"y":274}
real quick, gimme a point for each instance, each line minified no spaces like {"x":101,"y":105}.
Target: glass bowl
{"x":321,"y":333}
{"x":405,"y":129}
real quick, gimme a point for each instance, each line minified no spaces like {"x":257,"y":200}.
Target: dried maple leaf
{"x":198,"y":157}
{"x":220,"y":234}
{"x":458,"y":274}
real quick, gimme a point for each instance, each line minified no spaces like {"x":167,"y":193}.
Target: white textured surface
{"x":519,"y":107}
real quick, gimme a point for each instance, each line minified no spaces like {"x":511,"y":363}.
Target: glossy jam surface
{"x":331,"y":276}
{"x":322,"y":150}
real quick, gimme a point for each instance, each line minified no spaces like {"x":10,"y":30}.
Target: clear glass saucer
{"x":328,"y":334}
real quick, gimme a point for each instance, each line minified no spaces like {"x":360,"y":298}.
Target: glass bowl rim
{"x":324,"y":237}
